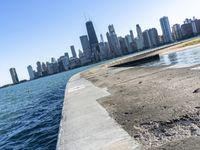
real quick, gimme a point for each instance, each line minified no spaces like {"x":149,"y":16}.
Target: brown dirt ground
{"x":157,"y":106}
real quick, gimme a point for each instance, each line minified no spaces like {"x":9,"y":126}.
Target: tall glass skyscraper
{"x":140,"y":39}
{"x":94,"y":44}
{"x":167,"y":34}
{"x":114,"y":41}
{"x":14,"y":76}
{"x":86,"y":45}
{"x":73,"y":51}
{"x":31,"y":72}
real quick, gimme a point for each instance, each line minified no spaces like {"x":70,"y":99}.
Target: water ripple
{"x":30,"y":113}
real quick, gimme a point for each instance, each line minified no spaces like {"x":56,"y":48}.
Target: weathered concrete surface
{"x":86,"y":125}
{"x":158,"y":106}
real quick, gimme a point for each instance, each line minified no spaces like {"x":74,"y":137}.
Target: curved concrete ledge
{"x":85,"y":124}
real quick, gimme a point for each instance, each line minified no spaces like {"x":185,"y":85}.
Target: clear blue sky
{"x":32,"y":30}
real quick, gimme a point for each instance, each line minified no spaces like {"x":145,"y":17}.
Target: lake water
{"x":184,"y":58}
{"x":30,"y":113}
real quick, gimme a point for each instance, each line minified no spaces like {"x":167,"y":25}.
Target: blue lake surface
{"x":183,"y":58}
{"x":30,"y":113}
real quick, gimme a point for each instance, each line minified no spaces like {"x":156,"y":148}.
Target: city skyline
{"x":14,"y":60}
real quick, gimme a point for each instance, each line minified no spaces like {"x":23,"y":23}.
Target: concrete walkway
{"x":86,"y":125}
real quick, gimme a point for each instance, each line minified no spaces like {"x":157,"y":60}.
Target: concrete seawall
{"x":86,"y":125}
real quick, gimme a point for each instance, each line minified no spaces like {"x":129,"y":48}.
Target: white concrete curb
{"x":86,"y":125}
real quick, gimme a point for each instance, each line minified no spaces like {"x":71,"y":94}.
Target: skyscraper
{"x":139,"y":31}
{"x":104,"y":50}
{"x":177,"y":33}
{"x":154,"y":37}
{"x":187,"y":30}
{"x":67,"y":55}
{"x":129,"y":41}
{"x":197,"y":22}
{"x":132,"y":36}
{"x":147,"y":41}
{"x":63,"y":62}
{"x":192,"y":23}
{"x":94,"y":44}
{"x":50,"y":68}
{"x":39,"y":69}
{"x":140,"y":38}
{"x":73,"y":51}
{"x":44,"y":69}
{"x":167,"y":34}
{"x":14,"y":76}
{"x":114,"y":41}
{"x":55,"y":65}
{"x":123,"y":44}
{"x":86,"y":46}
{"x":31,"y":72}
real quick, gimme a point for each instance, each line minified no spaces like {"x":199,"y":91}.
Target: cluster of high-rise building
{"x":63,"y":63}
{"x":94,"y":51}
{"x":190,"y":28}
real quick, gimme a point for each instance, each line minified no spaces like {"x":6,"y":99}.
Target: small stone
{"x":126,"y":113}
{"x":192,"y":129}
{"x":165,"y":107}
{"x":136,"y":136}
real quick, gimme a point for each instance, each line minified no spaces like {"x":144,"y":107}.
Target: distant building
{"x":132,"y":35}
{"x":39,"y":69}
{"x":114,"y":41}
{"x":55,"y":66}
{"x":147,"y":41}
{"x":128,"y":42}
{"x":53,"y":60}
{"x":123,"y":45}
{"x":187,"y":30}
{"x":190,"y":28}
{"x":104,"y":50}
{"x":140,"y":38}
{"x":74,"y":62}
{"x":197,"y":23}
{"x":14,"y":76}
{"x":176,"y":31}
{"x":31,"y":72}
{"x":73,"y":51}
{"x":154,"y":37}
{"x":83,"y":59}
{"x":44,"y":69}
{"x":63,"y":63}
{"x":94,"y":44}
{"x":161,"y":40}
{"x":67,"y":56}
{"x":86,"y":46}
{"x":50,"y":68}
{"x":166,"y":29}
{"x":111,"y":51}
{"x":193,"y":24}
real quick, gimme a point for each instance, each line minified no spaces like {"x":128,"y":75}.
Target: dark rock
{"x":197,"y":90}
{"x":168,"y":134}
{"x":136,"y":136}
{"x":140,"y":82}
{"x":126,"y":113}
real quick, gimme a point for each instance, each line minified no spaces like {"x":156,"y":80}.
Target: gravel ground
{"x":159,"y":107}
